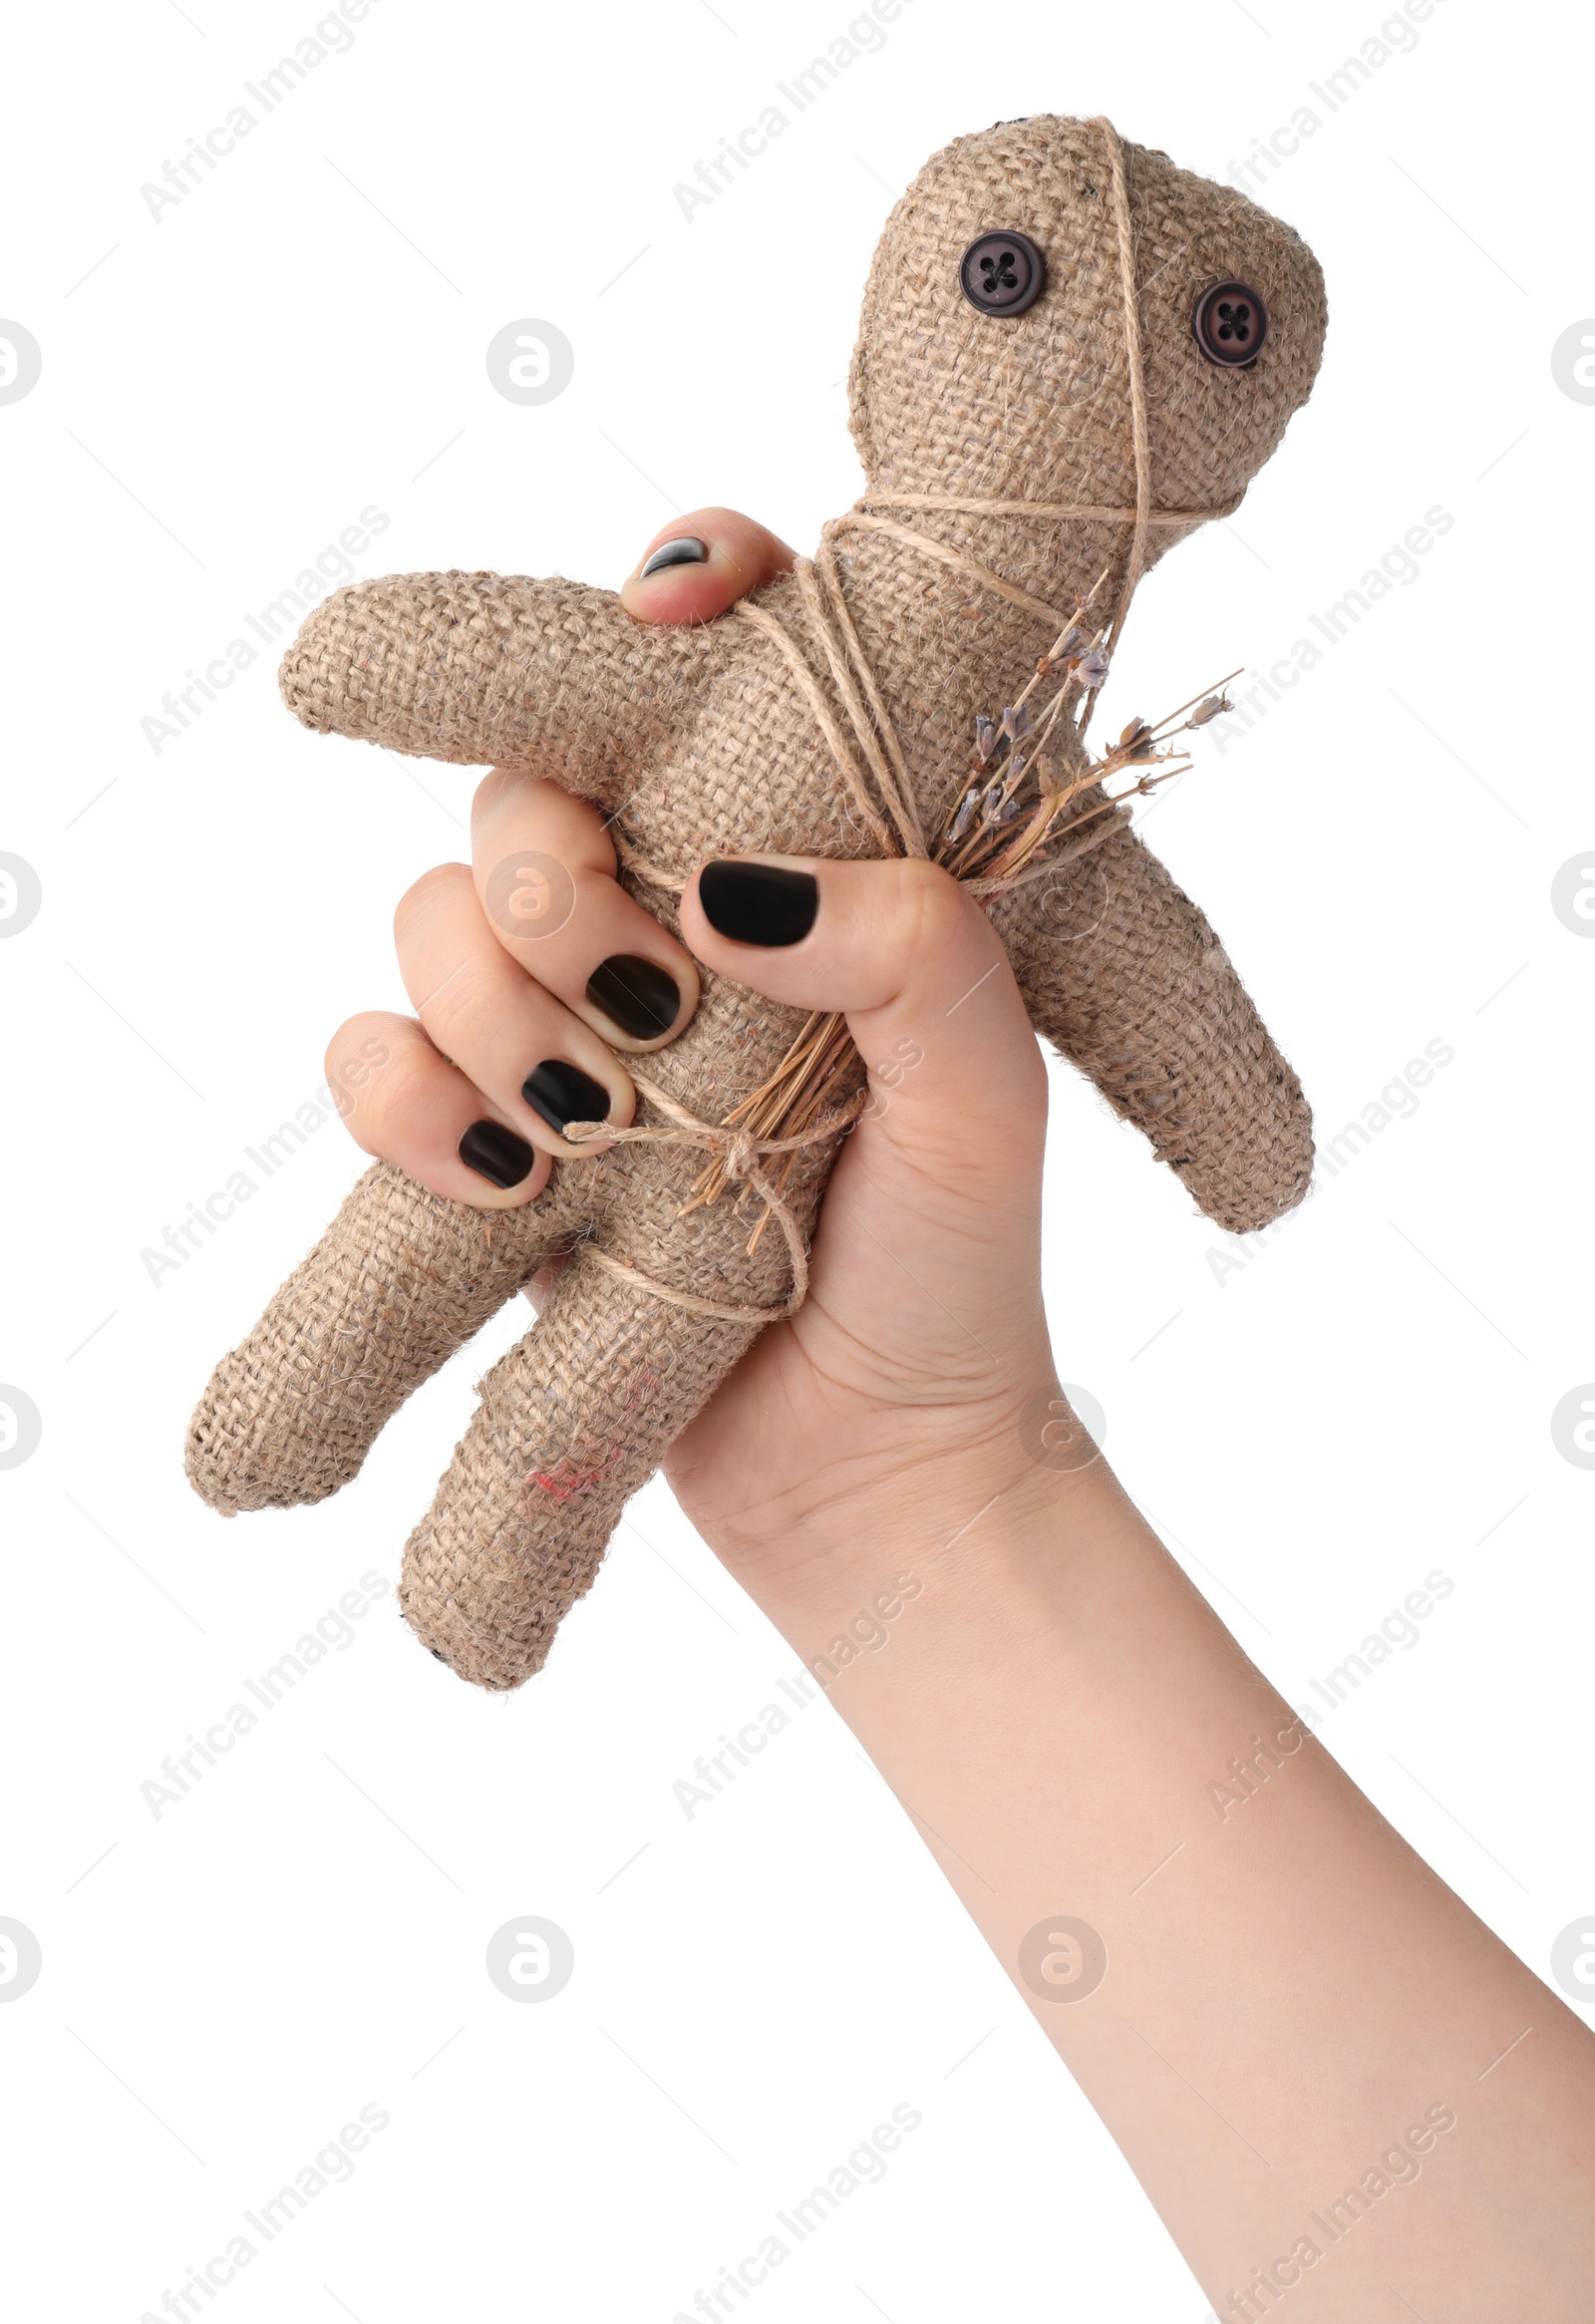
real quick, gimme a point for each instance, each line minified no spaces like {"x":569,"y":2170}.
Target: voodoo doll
{"x":1071,"y":354}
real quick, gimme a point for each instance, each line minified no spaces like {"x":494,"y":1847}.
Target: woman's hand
{"x":922,"y":1337}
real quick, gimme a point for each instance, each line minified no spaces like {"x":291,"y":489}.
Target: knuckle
{"x":426,"y":895}
{"x":359,"y":1057}
{"x":515,"y":809}
{"x":461,"y":1004}
{"x":345,"y":1048}
{"x":930,"y":904}
{"x":397,"y":1092}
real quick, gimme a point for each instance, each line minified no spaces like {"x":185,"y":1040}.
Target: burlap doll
{"x":1072,"y":353}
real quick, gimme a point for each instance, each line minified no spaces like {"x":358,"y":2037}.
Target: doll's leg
{"x":401,"y":1280}
{"x":571,"y":1422}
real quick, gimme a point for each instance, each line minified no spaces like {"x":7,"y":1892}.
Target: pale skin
{"x":1295,"y":2007}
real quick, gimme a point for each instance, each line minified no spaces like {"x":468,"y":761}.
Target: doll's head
{"x":1023,"y":393}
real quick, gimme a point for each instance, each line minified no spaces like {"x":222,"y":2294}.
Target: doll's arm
{"x":487,"y":669}
{"x":1125,"y":974}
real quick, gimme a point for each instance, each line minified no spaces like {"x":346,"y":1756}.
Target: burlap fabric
{"x":701,"y":741}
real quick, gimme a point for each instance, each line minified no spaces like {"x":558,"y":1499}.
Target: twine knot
{"x":740,"y":1156}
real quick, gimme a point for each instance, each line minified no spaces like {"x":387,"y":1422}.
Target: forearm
{"x":1290,"y":1993}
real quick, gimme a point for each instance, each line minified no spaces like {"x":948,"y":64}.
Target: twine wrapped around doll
{"x":824,"y":1044}
{"x":739,"y":1156}
{"x":889,"y":812}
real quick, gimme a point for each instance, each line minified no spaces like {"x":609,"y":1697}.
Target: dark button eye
{"x":1230,"y":322}
{"x":1002,"y":274}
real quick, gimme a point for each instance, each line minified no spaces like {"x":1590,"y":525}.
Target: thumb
{"x":701,"y":565}
{"x":958,"y":1086}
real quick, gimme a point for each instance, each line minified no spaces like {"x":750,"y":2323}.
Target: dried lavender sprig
{"x":986,"y":736}
{"x":1209,"y":694}
{"x":958,"y":851}
{"x":1215,"y":706}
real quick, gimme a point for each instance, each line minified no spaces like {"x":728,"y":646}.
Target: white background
{"x":1368,"y":1397}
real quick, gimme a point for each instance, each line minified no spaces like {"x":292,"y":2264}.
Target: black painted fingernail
{"x":562,"y":1093}
{"x":688,"y":551}
{"x":496,"y":1154}
{"x":759,"y":903}
{"x":640,"y":997}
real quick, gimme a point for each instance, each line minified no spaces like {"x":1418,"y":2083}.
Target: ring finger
{"x":405,"y":1103}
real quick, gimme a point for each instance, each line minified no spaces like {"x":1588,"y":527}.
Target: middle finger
{"x":546,"y":876}
{"x":537,"y":1063}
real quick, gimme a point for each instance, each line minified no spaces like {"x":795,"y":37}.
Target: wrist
{"x":962,"y":1538}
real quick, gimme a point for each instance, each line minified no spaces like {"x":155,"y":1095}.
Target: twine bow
{"x":740,"y":1155}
